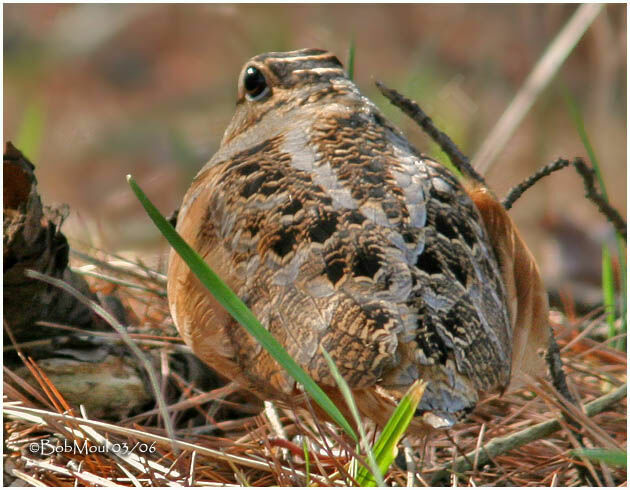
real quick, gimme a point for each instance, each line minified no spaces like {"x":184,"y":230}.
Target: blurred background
{"x":95,"y":92}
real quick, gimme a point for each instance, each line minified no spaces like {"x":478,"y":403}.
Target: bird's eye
{"x":255,"y":84}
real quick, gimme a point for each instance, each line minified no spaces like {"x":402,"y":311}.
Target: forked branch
{"x":461,"y":161}
{"x":588,"y":178}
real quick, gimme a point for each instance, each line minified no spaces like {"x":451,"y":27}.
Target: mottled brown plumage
{"x":337,"y":233}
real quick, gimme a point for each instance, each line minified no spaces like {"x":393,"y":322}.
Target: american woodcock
{"x":337,"y":233}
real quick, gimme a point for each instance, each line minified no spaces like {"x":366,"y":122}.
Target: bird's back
{"x":339,"y":235}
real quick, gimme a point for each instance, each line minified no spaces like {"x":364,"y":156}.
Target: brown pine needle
{"x":501,"y":445}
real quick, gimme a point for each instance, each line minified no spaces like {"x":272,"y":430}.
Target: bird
{"x":339,"y":235}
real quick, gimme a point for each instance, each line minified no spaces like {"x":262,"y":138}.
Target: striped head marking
{"x":277,"y":72}
{"x":282,"y":82}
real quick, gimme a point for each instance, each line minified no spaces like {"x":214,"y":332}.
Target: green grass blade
{"x":386,"y":446}
{"x":29,"y":134}
{"x":608,"y":288}
{"x":621,"y":248}
{"x":307,"y":462}
{"x":347,"y":394}
{"x":610,"y":457}
{"x":235,"y":307}
{"x":578,"y":120}
{"x":351,"y":53}
{"x":400,"y":420}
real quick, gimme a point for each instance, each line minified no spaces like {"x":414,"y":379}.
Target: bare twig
{"x":556,"y":371}
{"x":559,"y":382}
{"x":413,"y":110}
{"x":501,"y":445}
{"x":537,"y":80}
{"x":517,"y":191}
{"x":612,"y":215}
{"x":588,"y":178}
